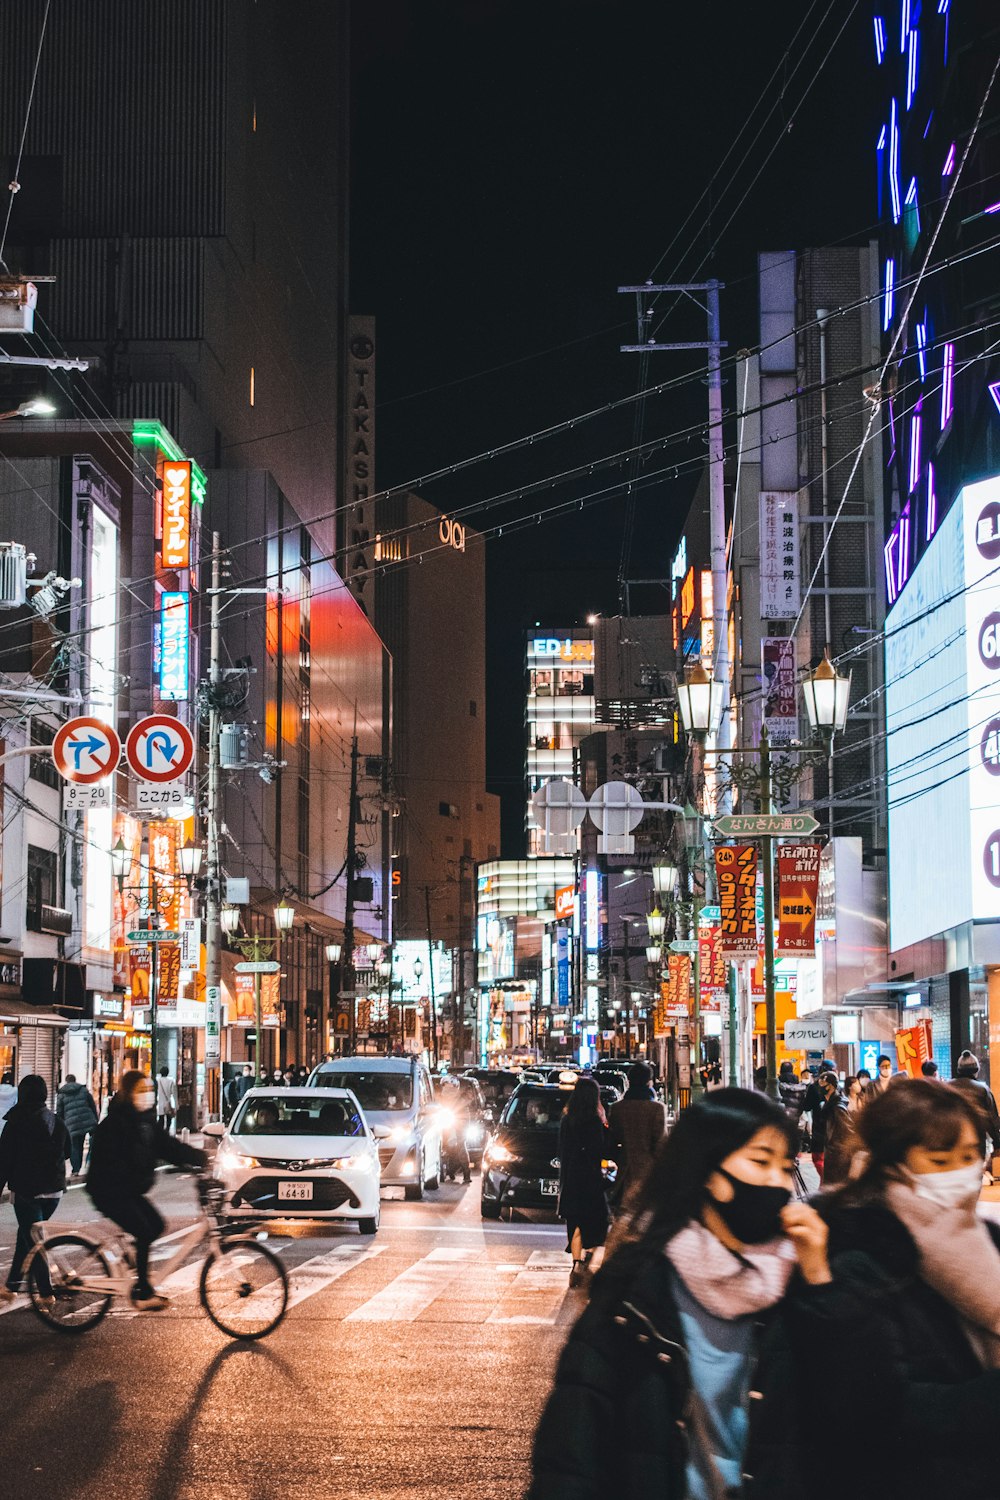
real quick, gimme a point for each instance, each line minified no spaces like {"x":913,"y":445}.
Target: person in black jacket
{"x":923,"y":1272}
{"x":33,"y":1151}
{"x":689,"y":1374}
{"x":124,"y":1151}
{"x":980,"y":1096}
{"x":76,"y":1108}
{"x":583,"y":1199}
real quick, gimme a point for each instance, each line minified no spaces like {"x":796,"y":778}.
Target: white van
{"x":396,"y":1097}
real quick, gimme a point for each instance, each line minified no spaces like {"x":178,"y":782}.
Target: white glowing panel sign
{"x":780,"y":583}
{"x":592,"y":894}
{"x":943,"y":720}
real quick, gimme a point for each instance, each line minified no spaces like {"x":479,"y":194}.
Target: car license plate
{"x":549,"y":1188}
{"x":295,"y":1191}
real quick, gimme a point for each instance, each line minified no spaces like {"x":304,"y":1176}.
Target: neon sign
{"x":568,"y":650}
{"x":175,"y":547}
{"x":897,"y":556}
{"x":174,"y":645}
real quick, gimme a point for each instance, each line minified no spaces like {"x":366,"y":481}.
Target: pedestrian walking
{"x":166,"y":1099}
{"x":583,"y":1200}
{"x":881,"y":1081}
{"x":8,"y":1093}
{"x":929,"y":1069}
{"x":124,"y":1151}
{"x":689,"y":1319}
{"x":813,"y":1107}
{"x":981,"y":1097}
{"x":637,"y":1122}
{"x":853,"y":1093}
{"x":915,"y":1262}
{"x":76,"y":1108}
{"x":840,"y":1138}
{"x":33,"y":1151}
{"x":238,"y":1085}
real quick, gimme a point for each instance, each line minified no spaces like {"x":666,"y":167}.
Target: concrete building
{"x":431,"y":613}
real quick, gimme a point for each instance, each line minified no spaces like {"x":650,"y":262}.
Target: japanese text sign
{"x":798,"y":892}
{"x":713,"y":970}
{"x":736,"y":877}
{"x":780,"y":585}
{"x":913,"y":1047}
{"x":175,"y":544}
{"x":778,"y":678}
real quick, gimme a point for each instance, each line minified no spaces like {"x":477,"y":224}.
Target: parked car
{"x":497,"y":1085}
{"x":302,"y":1154}
{"x":398,"y":1102}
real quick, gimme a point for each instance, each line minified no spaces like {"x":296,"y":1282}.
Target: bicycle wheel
{"x":77,"y":1270}
{"x":244,"y":1289}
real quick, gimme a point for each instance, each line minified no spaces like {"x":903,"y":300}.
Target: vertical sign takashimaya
{"x":359,"y":450}
{"x":780,"y":582}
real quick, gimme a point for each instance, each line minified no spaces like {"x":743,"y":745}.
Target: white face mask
{"x":143,"y":1099}
{"x":957,"y":1189}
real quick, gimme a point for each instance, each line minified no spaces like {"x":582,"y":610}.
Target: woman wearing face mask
{"x":124,"y":1151}
{"x":680,"y":1378}
{"x":922,"y":1270}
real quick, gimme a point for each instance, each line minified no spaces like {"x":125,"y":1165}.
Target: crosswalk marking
{"x":413,"y":1290}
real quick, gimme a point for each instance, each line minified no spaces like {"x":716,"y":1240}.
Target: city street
{"x":411,"y":1364}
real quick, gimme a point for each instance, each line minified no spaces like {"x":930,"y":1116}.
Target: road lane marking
{"x":413,"y":1290}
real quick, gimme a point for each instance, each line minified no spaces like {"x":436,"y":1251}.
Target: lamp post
{"x":151,"y":898}
{"x":333,"y":952}
{"x":384,"y":969}
{"x":827,"y":695}
{"x":257,"y":949}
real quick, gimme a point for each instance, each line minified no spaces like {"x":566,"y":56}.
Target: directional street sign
{"x":710,"y":914}
{"x":266,"y":966}
{"x":159,"y":748}
{"x":86,"y":750}
{"x":684,"y":945}
{"x":764,"y":825}
{"x":153,"y":935}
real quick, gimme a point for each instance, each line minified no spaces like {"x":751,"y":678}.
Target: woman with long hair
{"x":680,"y":1379}
{"x":923,"y":1270}
{"x":583,"y":1200}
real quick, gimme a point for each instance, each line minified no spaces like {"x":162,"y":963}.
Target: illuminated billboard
{"x":175,"y":545}
{"x":175,"y":635}
{"x":943,"y":727}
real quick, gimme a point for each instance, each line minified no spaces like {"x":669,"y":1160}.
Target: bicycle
{"x":243,"y":1285}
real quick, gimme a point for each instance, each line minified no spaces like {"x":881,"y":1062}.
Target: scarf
{"x":959,"y":1260}
{"x":724,"y":1283}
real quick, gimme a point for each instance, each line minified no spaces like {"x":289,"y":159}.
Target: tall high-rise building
{"x":559,"y":710}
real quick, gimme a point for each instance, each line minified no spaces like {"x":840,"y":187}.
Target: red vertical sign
{"x":736,"y":878}
{"x":798,"y":892}
{"x":713,"y":969}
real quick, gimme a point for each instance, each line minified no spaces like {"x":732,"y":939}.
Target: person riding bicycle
{"x":124,"y":1151}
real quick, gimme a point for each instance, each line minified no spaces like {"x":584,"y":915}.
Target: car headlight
{"x":402,"y":1135}
{"x":446,"y":1117}
{"x":498,"y":1153}
{"x":229,"y":1157}
{"x":340,"y":1162}
{"x":473,"y":1134}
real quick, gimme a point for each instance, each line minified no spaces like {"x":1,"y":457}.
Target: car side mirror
{"x":215,"y":1129}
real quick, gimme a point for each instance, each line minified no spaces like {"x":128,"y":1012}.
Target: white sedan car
{"x":300,"y":1154}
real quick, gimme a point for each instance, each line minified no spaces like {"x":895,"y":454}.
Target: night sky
{"x":513,"y":164}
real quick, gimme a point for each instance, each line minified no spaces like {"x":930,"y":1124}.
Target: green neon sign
{"x":152,"y":434}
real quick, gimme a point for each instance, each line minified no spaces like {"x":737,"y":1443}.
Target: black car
{"x":497,"y":1085}
{"x":521,"y":1164}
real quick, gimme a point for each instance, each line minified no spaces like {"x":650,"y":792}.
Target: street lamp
{"x":258,"y":950}
{"x":664,"y":879}
{"x":189,"y":861}
{"x":418,"y":969}
{"x":827,"y":695}
{"x":121,"y":862}
{"x":701,"y":701}
{"x":229,"y":920}
{"x":653,"y":954}
{"x":37,"y":406}
{"x":284,"y":917}
{"x":333,"y":952}
{"x":656,"y":923}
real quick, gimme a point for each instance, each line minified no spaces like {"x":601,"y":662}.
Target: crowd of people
{"x":725,"y":1293}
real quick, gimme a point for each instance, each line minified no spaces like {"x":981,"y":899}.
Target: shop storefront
{"x":31,"y":1041}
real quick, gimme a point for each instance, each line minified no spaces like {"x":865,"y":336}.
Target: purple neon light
{"x":911,"y":200}
{"x":879,"y":40}
{"x":915,"y":449}
{"x":922,"y":349}
{"x":994,"y":208}
{"x":912,"y":64}
{"x":892,"y":432}
{"x":943,"y":7}
{"x":949,"y":161}
{"x":897,"y":556}
{"x":947,"y":384}
{"x":894,"y":161}
{"x":889,"y":296}
{"x":994,"y":391}
{"x":931,"y":503}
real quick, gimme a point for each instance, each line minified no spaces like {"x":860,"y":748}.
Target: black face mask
{"x":753,"y":1214}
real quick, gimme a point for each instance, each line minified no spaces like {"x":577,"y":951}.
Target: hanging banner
{"x":780,"y":584}
{"x":713,"y":969}
{"x":798,"y":893}
{"x":777,"y":665}
{"x":913,"y":1047}
{"x":676,"y":989}
{"x":139,"y":962}
{"x":736,"y":878}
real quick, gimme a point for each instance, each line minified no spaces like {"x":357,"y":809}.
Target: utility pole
{"x":771,"y":1020}
{"x":348,"y":977}
{"x":213,"y":925}
{"x":430,"y":968}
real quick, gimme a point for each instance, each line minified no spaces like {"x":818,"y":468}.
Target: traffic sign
{"x":764,"y":825}
{"x":153,"y":935}
{"x":159,"y":748}
{"x":85,"y":750}
{"x":266,"y":966}
{"x":684,"y":945}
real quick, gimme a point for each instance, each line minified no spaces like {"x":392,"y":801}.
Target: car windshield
{"x":377,"y":1091}
{"x":535,"y":1109}
{"x":297,"y":1115}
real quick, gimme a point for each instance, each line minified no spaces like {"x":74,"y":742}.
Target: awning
{"x":20,"y":1013}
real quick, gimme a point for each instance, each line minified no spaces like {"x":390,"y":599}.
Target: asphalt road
{"x":410,"y":1365}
